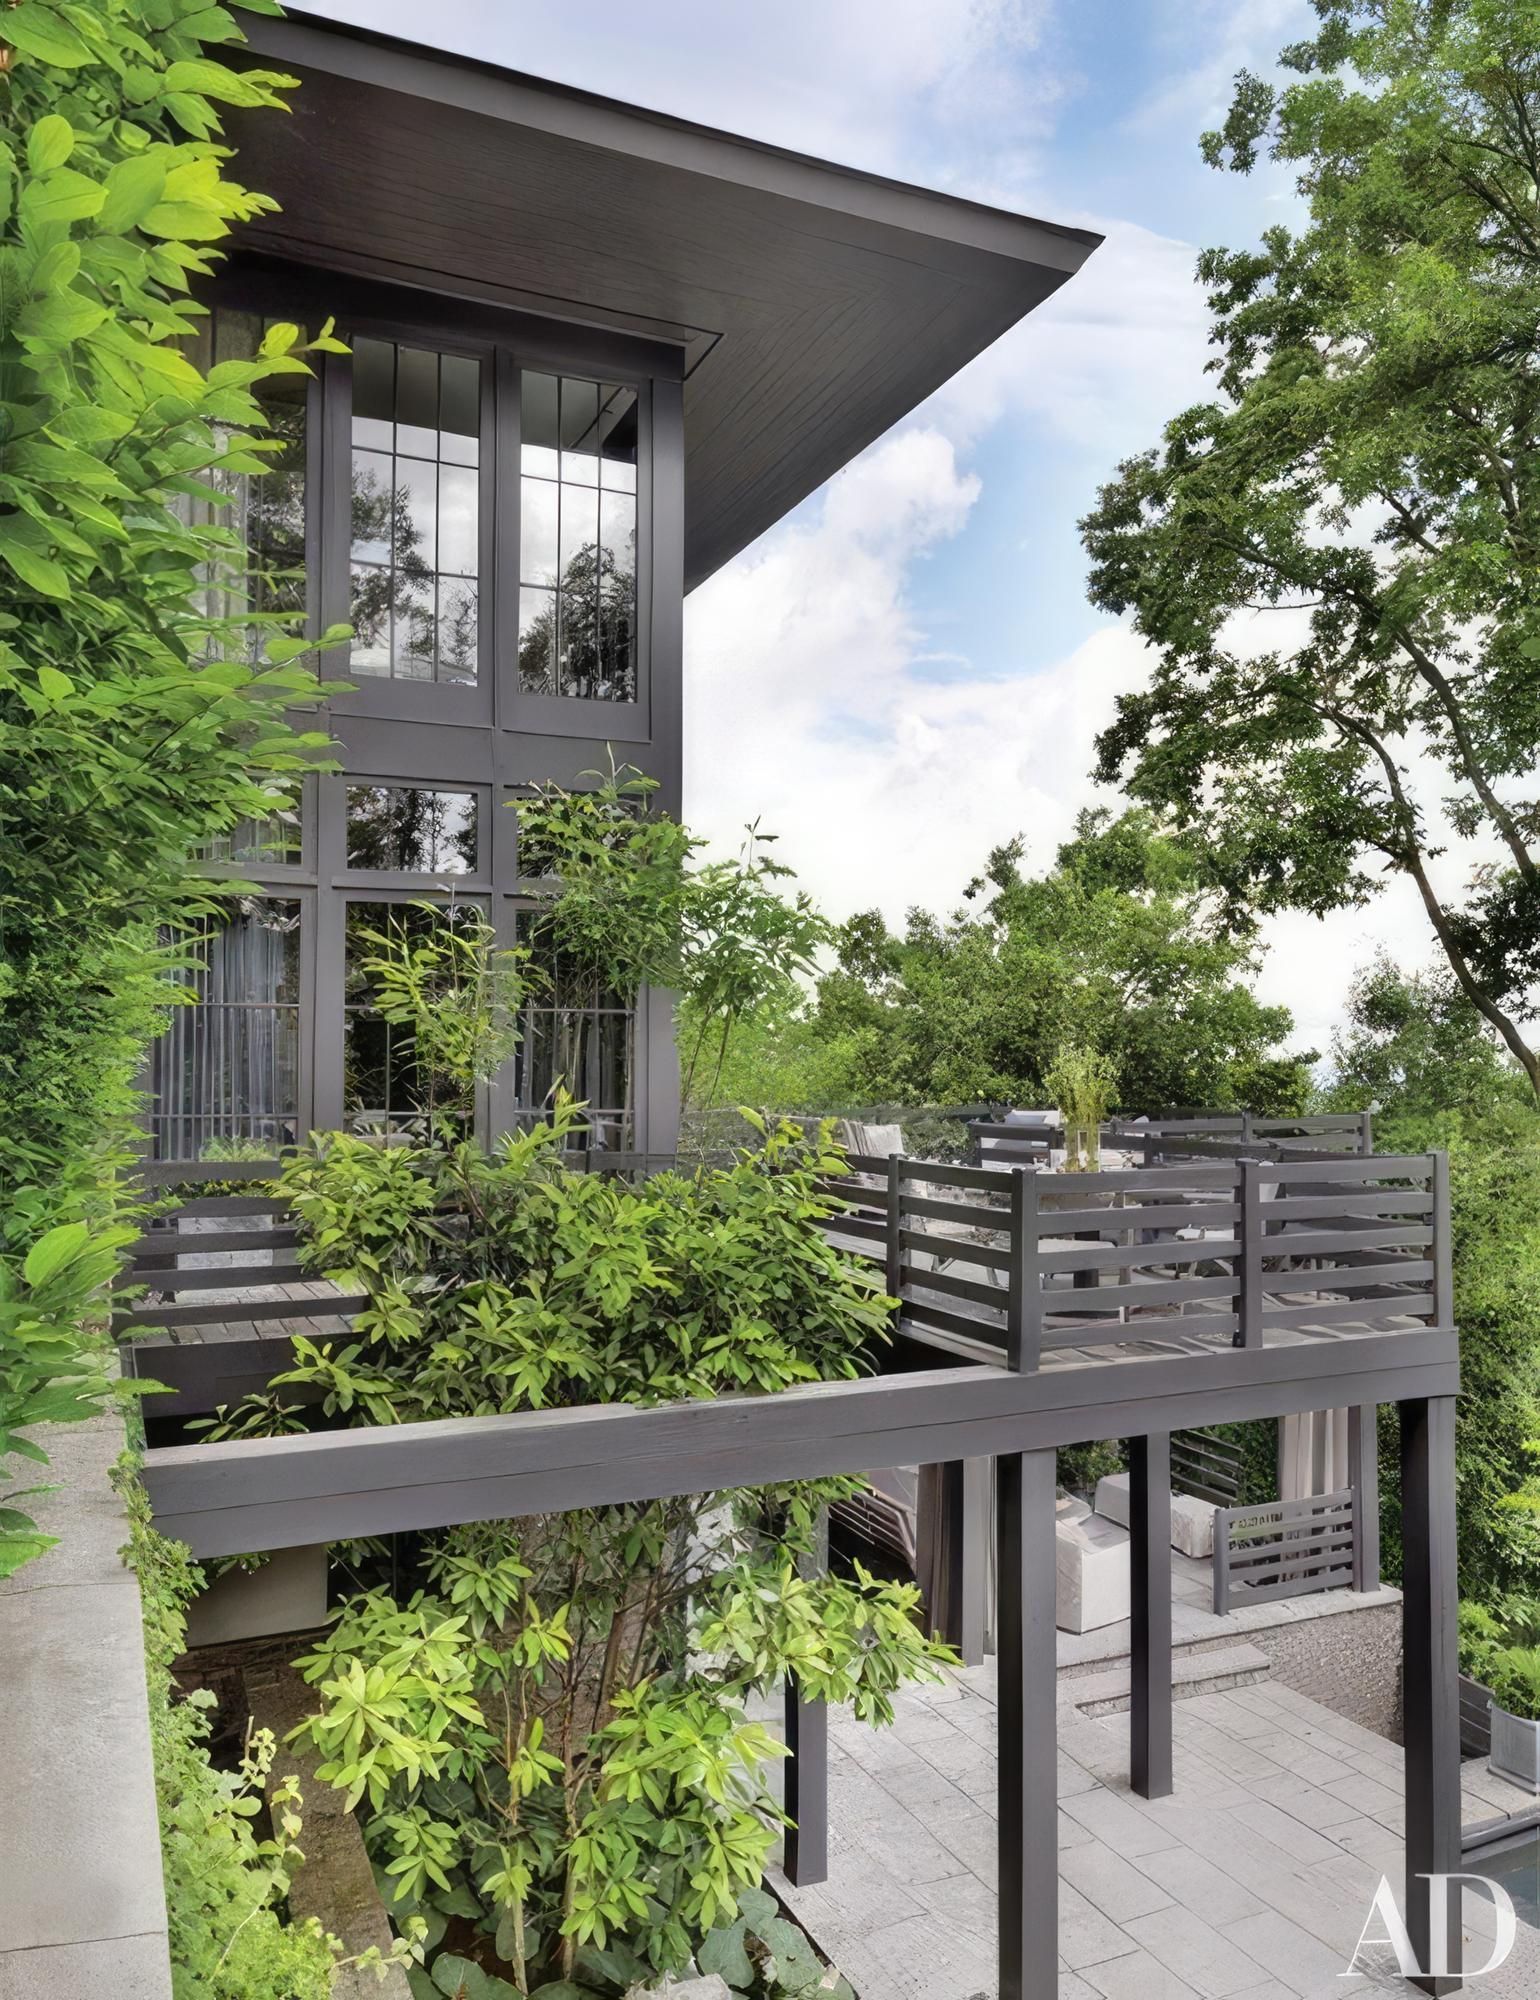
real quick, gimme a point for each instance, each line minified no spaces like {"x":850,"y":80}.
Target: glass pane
{"x":580,"y":432}
{"x":617,"y":439}
{"x":226,"y":1072}
{"x":417,"y":402}
{"x":272,"y":841}
{"x":369,"y":615}
{"x":412,"y":629}
{"x":579,"y":533}
{"x":415,"y":516}
{"x":459,"y":409}
{"x":411,"y":831}
{"x":373,"y":505}
{"x":374,"y":393}
{"x":458,"y":512}
{"x":537,"y":636}
{"x":537,"y":530}
{"x":457,"y":629}
{"x":538,"y":431}
{"x":577,"y":645}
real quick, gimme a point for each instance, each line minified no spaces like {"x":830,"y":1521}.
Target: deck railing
{"x":1014,"y":1263}
{"x":1283,"y":1548}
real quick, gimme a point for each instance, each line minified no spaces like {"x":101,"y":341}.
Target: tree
{"x":1115,"y":949}
{"x":1414,"y":1043}
{"x":1367,"y":481}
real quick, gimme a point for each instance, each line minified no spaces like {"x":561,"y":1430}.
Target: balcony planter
{"x":1515,"y":1748}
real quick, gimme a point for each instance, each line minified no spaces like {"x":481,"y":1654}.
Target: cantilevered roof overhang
{"x":809,"y":306}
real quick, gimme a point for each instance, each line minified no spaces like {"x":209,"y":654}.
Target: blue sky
{"x":907,"y":670}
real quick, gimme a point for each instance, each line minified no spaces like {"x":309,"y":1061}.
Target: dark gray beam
{"x":1364,"y":1478}
{"x":1027,"y":1641}
{"x":1149,"y":1521}
{"x":283,"y":1492}
{"x":1430,"y":1644}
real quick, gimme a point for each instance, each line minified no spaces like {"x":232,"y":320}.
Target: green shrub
{"x":135,"y":723}
{"x":224,"y":1883}
{"x":549,"y":1724}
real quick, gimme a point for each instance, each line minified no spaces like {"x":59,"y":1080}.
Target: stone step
{"x":1108,"y":1693}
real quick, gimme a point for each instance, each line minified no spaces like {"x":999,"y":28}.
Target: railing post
{"x":1024,"y":1297}
{"x":1249,"y":1331}
{"x":806,"y":1856}
{"x":1221,"y":1561}
{"x":1366,"y":1133}
{"x":1443,"y":1244}
{"x":1246,"y":1134}
{"x":1027,"y":1773}
{"x":895,"y":1219}
{"x":1430,"y":1681}
{"x":1149,"y":1521}
{"x":1364,"y":1478}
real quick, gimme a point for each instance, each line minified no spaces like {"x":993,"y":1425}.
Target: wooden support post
{"x":1366,"y":1133}
{"x":1026,"y":1493}
{"x":1430,"y":1644}
{"x":1364,"y":1478}
{"x":1149,"y":1522}
{"x":1250,"y":1302}
{"x":964,"y":1555}
{"x":807,"y":1788}
{"x":1024,"y":1297}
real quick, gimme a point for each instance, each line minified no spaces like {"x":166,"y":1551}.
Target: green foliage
{"x":549,"y":1727}
{"x":134,"y":723}
{"x":1115,"y":948}
{"x":626,"y":900}
{"x":1334,"y":559}
{"x":224,"y":1884}
{"x":1500,"y":1647}
{"x":760,"y":1953}
{"x":1413,"y":1043}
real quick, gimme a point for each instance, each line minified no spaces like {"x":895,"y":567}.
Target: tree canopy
{"x":1115,"y":947}
{"x":1413,"y":1043}
{"x":1366,"y":476}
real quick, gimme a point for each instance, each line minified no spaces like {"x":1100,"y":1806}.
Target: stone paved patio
{"x":1254,"y":1880}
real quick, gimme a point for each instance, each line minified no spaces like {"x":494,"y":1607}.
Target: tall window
{"x":577,"y":1037}
{"x":386,"y":1089}
{"x":264,"y":512}
{"x":227,"y":1068}
{"x":577,"y":538}
{"x":416,"y":511}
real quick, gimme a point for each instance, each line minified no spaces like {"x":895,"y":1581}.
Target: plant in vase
{"x":1082,"y":1085}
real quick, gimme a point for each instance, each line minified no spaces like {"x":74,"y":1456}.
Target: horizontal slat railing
{"x":1285,"y":1548}
{"x":1022,"y":1261}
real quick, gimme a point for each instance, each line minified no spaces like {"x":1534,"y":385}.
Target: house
{"x":595,"y":352}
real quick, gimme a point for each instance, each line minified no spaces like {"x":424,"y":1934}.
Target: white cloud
{"x":801,"y":706}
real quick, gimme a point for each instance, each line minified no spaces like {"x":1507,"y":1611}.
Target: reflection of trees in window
{"x":577,"y":538}
{"x":227,"y":1068}
{"x":415,"y":505}
{"x":411,"y":830}
{"x":590,"y":640}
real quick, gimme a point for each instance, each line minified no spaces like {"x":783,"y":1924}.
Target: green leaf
{"x":62,"y":196}
{"x":62,"y":316}
{"x":50,"y":143}
{"x":38,"y":31}
{"x":58,"y":687}
{"x":22,"y":1547}
{"x":133,"y":188}
{"x":40,"y":572}
{"x":60,"y":1246}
